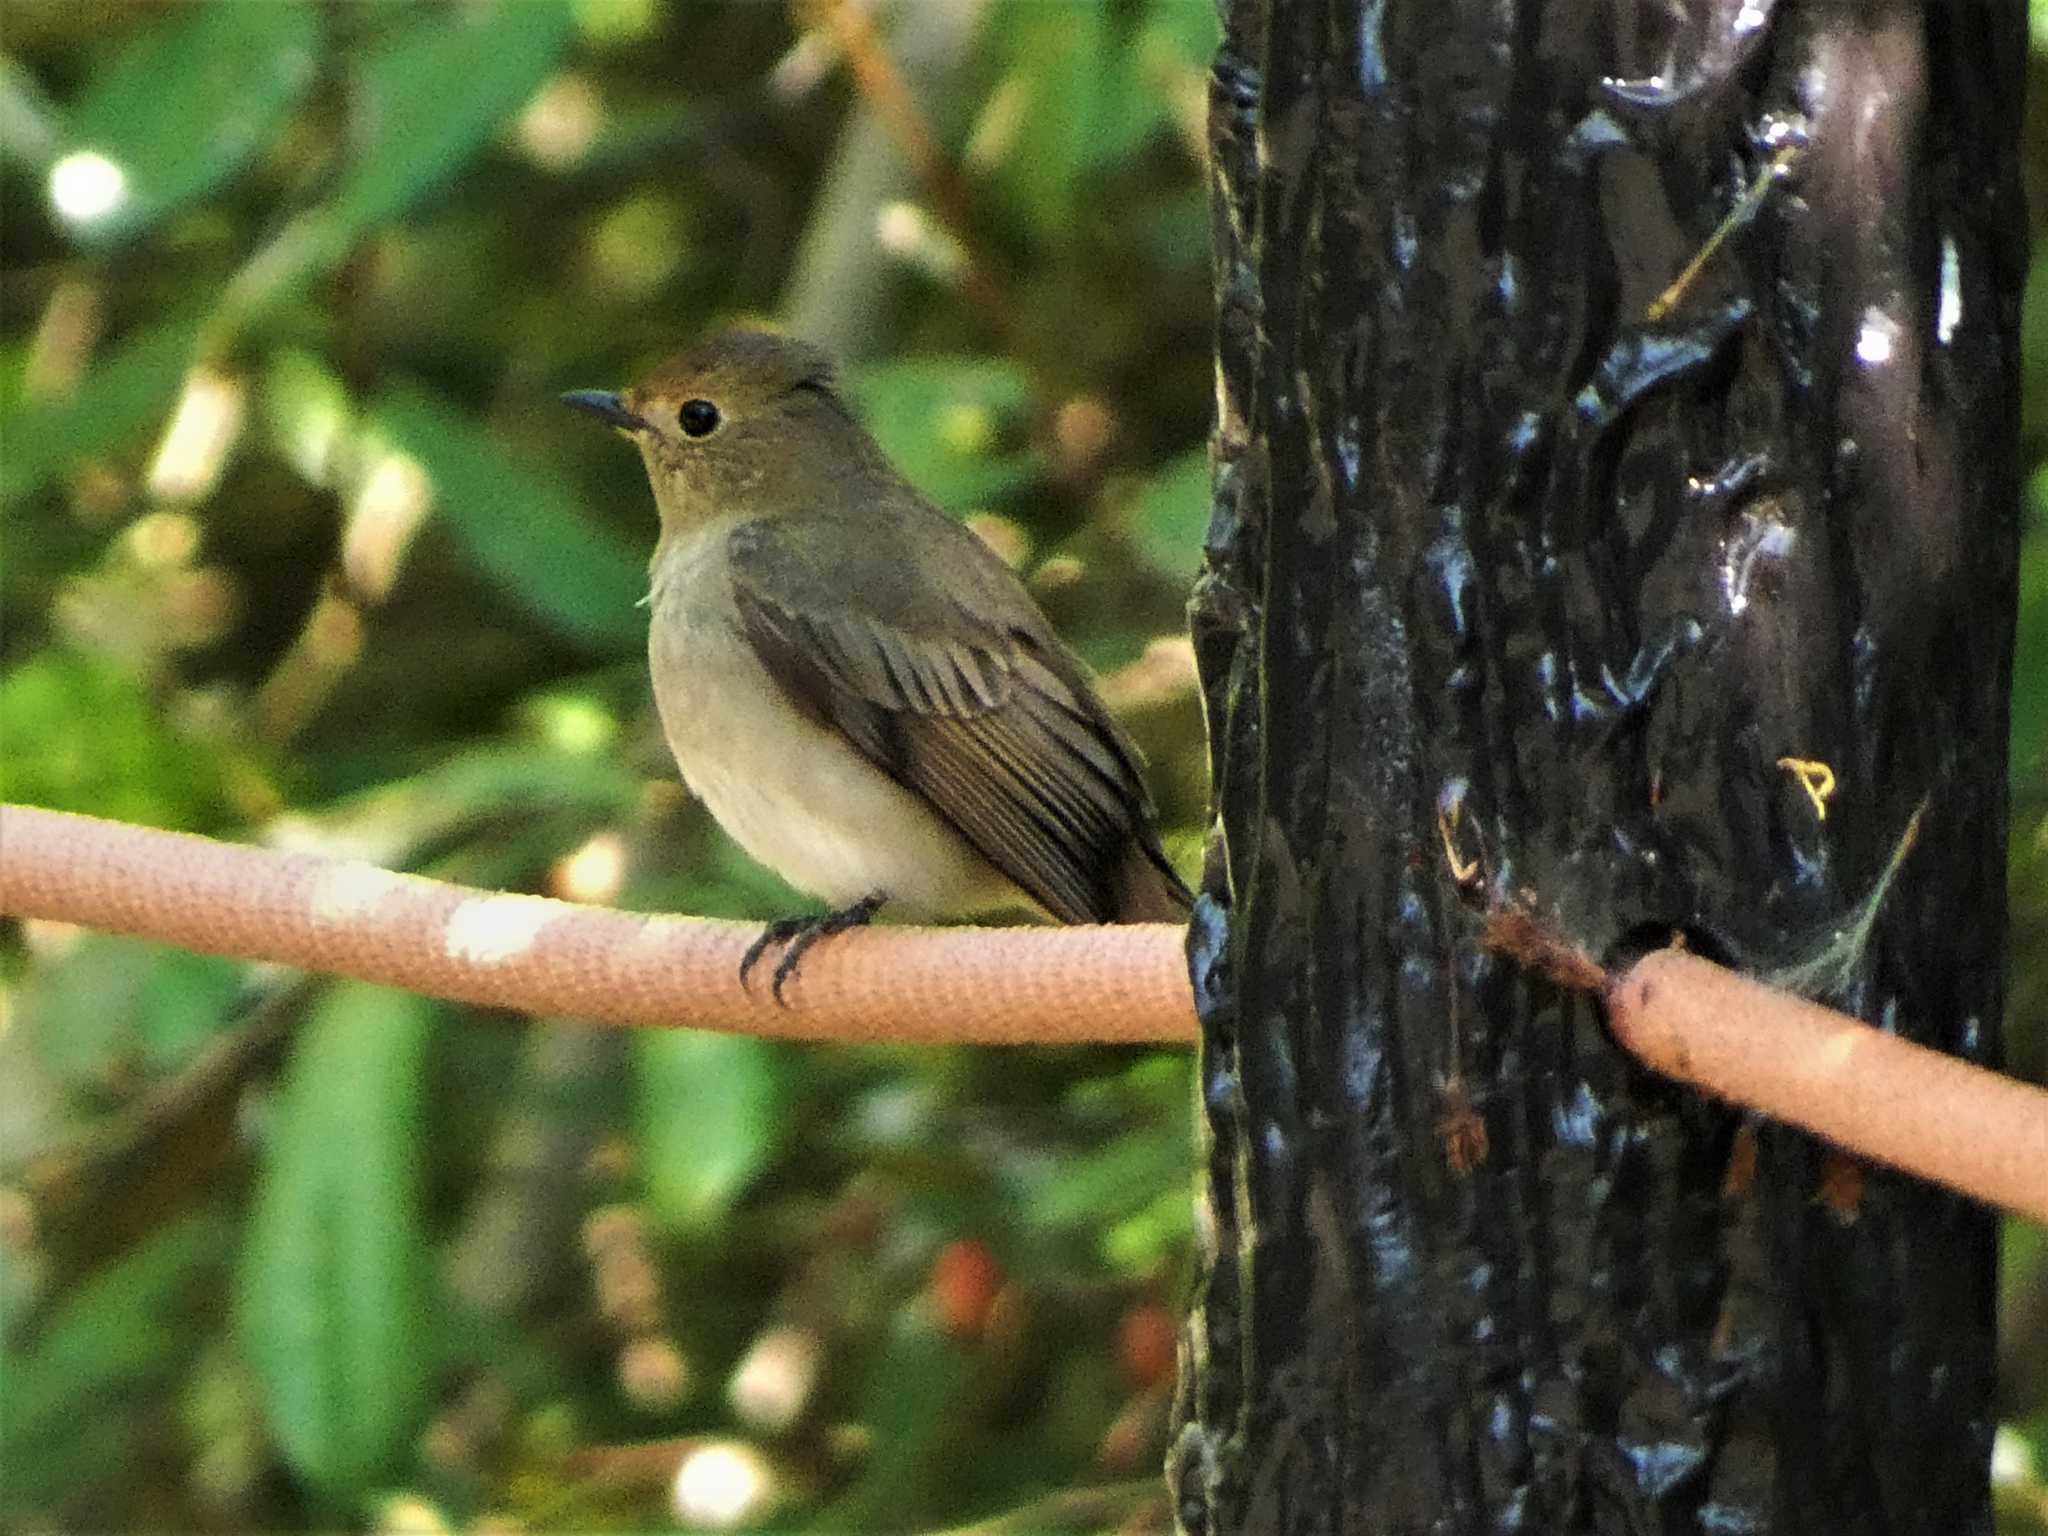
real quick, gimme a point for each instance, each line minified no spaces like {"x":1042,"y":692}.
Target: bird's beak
{"x":605,"y":406}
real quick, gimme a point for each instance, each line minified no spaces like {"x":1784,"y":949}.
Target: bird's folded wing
{"x":977,"y":719}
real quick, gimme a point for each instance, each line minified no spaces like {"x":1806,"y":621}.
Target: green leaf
{"x":2030,"y":651}
{"x":498,"y":779}
{"x":1120,"y":1179}
{"x":1086,"y":102}
{"x":520,"y":526}
{"x":76,"y":1384}
{"x":185,"y":1000}
{"x":431,"y":95}
{"x":2034,"y":344}
{"x":112,"y":1002}
{"x":708,"y":1111}
{"x":83,"y":735}
{"x":333,"y":1284}
{"x":926,"y":1452}
{"x":1172,"y":517}
{"x":434,"y":94}
{"x":942,"y":420}
{"x":1189,"y":29}
{"x":124,"y":393}
{"x":31,"y":127}
{"x":183,"y":108}
{"x":488,"y":815}
{"x":1155,"y":1235}
{"x":307,"y":411}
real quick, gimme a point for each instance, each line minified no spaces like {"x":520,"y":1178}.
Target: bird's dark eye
{"x":697,"y":418}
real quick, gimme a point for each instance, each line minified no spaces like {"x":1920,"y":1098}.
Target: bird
{"x":860,"y":691}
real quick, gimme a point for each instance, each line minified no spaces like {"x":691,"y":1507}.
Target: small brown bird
{"x":864,"y":695}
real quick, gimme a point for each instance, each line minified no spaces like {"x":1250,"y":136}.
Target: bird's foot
{"x":799,"y":934}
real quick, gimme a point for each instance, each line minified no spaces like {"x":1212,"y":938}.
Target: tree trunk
{"x":1523,"y":588}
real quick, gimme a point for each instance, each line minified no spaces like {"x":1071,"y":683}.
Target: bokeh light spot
{"x":85,"y":187}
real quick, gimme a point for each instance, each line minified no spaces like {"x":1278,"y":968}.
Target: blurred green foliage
{"x":299,"y":546}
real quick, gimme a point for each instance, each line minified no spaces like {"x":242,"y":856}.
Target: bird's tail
{"x":1148,"y":891}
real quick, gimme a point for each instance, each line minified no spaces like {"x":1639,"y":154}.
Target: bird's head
{"x":742,"y":423}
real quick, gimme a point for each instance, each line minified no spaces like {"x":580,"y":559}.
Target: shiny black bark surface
{"x":1500,"y":549}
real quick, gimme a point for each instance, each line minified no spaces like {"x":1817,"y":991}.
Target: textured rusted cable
{"x":990,"y":985}
{"x":1873,"y":1093}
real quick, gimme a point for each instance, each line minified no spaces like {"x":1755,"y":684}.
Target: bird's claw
{"x":781,"y":931}
{"x":799,"y":934}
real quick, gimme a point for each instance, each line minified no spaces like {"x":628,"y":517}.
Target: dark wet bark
{"x":1493,"y":545}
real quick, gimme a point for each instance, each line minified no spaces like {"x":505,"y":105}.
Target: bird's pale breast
{"x":793,"y":793}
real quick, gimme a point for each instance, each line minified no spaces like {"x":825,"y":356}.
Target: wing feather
{"x":992,"y":725}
